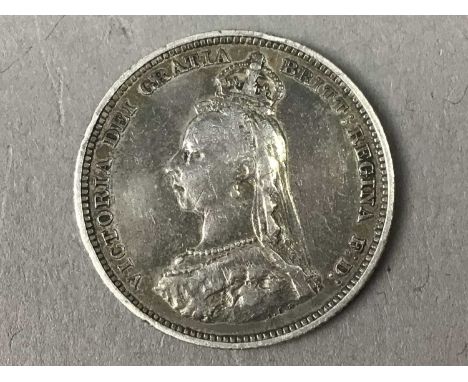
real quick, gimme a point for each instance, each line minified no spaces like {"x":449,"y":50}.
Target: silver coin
{"x":234,"y":189}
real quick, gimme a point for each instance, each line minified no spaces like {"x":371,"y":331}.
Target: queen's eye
{"x":190,"y":155}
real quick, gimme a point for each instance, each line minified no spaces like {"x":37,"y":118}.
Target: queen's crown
{"x":250,"y":81}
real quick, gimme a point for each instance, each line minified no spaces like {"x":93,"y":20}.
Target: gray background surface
{"x":54,"y":309}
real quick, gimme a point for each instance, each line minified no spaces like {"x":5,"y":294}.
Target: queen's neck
{"x":225,"y":225}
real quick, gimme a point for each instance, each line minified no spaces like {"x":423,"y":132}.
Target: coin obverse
{"x":234,"y":189}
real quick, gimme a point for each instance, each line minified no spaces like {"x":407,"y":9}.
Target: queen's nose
{"x":168,"y":170}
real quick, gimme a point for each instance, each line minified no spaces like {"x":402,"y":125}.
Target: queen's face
{"x":204,"y":169}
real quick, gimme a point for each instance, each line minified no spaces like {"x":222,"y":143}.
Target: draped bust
{"x":251,"y":262}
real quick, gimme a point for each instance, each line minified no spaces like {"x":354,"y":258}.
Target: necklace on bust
{"x":210,"y":255}
{"x":224,"y":248}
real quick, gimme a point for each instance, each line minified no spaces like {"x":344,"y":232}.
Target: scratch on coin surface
{"x":325,"y":222}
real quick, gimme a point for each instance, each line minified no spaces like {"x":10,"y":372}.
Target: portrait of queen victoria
{"x":231,"y":169}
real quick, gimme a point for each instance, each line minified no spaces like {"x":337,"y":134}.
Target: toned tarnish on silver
{"x":234,"y":189}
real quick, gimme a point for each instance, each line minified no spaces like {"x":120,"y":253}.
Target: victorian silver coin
{"x":234,"y":189}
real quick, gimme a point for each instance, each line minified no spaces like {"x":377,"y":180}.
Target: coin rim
{"x":372,"y":263}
